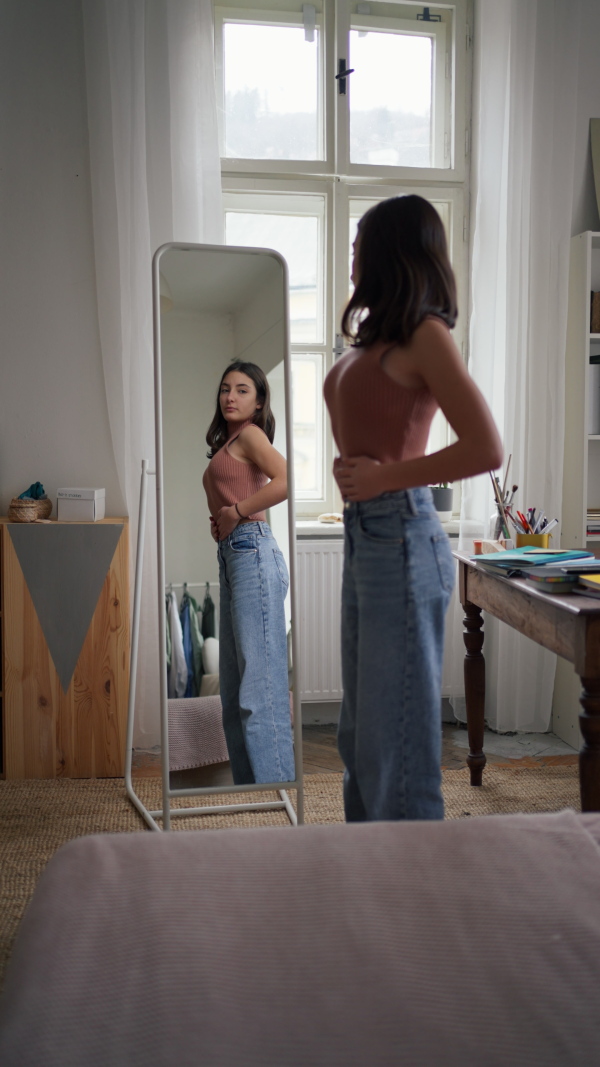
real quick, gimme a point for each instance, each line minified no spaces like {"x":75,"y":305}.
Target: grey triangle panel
{"x":64,"y":568}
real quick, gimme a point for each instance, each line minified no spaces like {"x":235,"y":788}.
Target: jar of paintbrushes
{"x":531,"y":529}
{"x":503,"y":497}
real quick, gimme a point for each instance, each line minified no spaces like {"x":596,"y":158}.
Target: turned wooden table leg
{"x":474,"y":690}
{"x":589,"y":757}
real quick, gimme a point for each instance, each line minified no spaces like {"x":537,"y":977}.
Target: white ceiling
{"x":217,"y":280}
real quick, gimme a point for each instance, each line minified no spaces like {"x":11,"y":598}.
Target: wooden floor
{"x":320,"y":756}
{"x":319,"y":750}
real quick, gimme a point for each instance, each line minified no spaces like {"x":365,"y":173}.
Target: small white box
{"x":81,"y":505}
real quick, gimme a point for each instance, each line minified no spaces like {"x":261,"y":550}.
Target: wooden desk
{"x":567,"y":625}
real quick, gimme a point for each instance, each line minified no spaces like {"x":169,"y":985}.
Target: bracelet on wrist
{"x":239,"y":512}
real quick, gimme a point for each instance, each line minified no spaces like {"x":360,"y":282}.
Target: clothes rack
{"x":190,"y":585}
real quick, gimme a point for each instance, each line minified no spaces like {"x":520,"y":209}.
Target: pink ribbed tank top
{"x":371,"y":414}
{"x":228,"y":480}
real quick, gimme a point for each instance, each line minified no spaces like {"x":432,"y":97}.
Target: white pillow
{"x":210,"y":655}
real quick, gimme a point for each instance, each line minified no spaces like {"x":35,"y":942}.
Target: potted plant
{"x":442,"y":498}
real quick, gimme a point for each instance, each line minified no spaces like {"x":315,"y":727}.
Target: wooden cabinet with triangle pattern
{"x":64,"y":648}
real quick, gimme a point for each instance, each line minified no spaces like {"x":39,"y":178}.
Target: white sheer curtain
{"x":525,"y":97}
{"x":155,"y":178}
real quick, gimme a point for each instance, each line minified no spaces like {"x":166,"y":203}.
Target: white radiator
{"x":319,"y":580}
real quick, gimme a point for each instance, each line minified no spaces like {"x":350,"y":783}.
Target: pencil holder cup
{"x":540,"y":540}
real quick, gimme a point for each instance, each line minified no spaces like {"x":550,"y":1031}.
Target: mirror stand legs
{"x":166,"y":813}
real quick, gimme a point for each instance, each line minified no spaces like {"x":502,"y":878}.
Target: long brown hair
{"x":218,"y":430}
{"x":404,"y":272}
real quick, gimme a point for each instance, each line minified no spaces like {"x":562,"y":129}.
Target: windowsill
{"x":313,"y":528}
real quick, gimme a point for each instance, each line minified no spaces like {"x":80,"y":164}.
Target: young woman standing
{"x":398,"y":567}
{"x":245,"y":476}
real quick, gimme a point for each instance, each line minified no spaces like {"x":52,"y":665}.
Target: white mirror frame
{"x":283,"y":803}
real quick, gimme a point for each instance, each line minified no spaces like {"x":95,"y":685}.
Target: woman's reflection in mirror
{"x":245,"y":476}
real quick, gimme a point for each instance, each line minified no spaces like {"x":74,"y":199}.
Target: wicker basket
{"x":28,"y":510}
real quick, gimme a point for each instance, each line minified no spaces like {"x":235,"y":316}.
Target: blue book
{"x":523,"y":558}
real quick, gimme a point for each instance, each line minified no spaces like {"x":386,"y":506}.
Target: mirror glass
{"x":219,"y":305}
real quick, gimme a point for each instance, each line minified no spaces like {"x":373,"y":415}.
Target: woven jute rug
{"x":37,"y":817}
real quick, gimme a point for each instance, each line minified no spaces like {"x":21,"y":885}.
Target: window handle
{"x":341,"y":76}
{"x":426,"y":16}
{"x":339,"y":347}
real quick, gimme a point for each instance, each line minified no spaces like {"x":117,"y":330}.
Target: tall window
{"x":306,"y":148}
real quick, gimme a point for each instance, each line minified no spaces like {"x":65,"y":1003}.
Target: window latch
{"x":426,"y":16}
{"x":341,"y":76}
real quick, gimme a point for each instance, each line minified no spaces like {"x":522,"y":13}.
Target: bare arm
{"x":254,"y":446}
{"x":440,"y":368}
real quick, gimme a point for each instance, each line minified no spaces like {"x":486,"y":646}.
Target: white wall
{"x":53,"y":416}
{"x":258,"y":327}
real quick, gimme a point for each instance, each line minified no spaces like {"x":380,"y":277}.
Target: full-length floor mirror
{"x":225,"y":525}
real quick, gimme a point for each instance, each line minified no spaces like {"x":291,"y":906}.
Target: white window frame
{"x":341,"y":182}
{"x":455,"y":42}
{"x":336,"y":137}
{"x":318,"y":360}
{"x":441,"y":71}
{"x":277,"y":17}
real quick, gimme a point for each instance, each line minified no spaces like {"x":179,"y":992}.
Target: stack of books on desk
{"x":593,"y":521}
{"x":589,"y":584}
{"x":552,"y":571}
{"x":565,"y":579}
{"x":523,"y":559}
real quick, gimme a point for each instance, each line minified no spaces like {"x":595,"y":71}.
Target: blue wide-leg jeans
{"x":398,"y":577}
{"x":253,"y":665}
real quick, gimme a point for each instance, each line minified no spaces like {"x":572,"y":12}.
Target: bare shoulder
{"x":256,"y":448}
{"x":432,"y":343}
{"x":430,"y":332}
{"x":252,"y":433}
{"x":252,"y":441}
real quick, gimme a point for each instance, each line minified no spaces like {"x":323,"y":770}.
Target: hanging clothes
{"x":168,"y":641}
{"x":184,"y":618}
{"x":208,"y":615}
{"x":168,"y":634}
{"x":192,"y":642}
{"x":178,"y":675}
{"x":197,"y":641}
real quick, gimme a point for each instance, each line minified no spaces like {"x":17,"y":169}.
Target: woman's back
{"x":371,"y":413}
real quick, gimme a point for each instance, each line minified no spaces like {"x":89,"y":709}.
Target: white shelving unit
{"x":581,"y":476}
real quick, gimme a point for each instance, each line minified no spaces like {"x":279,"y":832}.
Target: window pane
{"x":391,"y":99}
{"x":271,"y":92}
{"x":298,"y":239}
{"x":308,"y":415}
